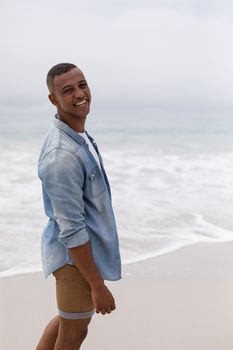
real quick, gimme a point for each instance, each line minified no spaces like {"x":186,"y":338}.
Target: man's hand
{"x":103,"y":299}
{"x":101,"y":295}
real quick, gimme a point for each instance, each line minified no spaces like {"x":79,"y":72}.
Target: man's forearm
{"x":102,"y":298}
{"x":83,"y":259}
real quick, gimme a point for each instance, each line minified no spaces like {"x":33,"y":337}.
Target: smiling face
{"x":71,"y":95}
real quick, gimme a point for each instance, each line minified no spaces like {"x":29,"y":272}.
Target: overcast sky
{"x":163,"y":54}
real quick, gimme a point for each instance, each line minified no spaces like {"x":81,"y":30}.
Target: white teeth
{"x":80,"y":103}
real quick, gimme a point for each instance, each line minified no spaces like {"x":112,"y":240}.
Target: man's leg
{"x":69,"y":329}
{"x":66,"y":334}
{"x":49,"y":337}
{"x":71,"y":334}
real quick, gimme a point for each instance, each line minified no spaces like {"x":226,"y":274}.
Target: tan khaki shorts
{"x":73,"y":294}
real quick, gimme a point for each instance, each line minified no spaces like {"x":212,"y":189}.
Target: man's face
{"x":71,"y":94}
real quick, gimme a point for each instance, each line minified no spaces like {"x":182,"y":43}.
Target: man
{"x":80,"y":243}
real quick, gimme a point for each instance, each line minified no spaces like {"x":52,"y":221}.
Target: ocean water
{"x":171,"y":179}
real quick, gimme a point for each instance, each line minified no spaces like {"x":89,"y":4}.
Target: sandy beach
{"x":178,"y":301}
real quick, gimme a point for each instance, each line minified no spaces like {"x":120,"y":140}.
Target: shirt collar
{"x":68,"y":130}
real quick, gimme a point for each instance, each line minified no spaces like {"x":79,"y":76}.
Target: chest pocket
{"x":95,"y":185}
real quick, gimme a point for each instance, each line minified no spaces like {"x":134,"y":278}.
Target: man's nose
{"x":79,"y":93}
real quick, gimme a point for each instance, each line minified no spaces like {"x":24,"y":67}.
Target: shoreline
{"x":177,"y":301}
{"x":129,"y":267}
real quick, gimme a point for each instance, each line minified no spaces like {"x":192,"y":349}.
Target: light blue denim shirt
{"x":77,"y":200}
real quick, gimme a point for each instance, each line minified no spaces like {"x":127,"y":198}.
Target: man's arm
{"x":102,"y":297}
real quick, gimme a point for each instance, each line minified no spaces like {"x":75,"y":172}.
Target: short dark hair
{"x":58,"y":69}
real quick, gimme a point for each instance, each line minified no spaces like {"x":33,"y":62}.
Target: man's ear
{"x":53,"y":99}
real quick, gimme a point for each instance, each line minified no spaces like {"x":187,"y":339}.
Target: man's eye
{"x":67,"y":91}
{"x":82,"y":86}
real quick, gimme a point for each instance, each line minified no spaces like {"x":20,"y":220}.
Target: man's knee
{"x":84,"y":333}
{"x":73,"y":332}
{"x":72,"y":340}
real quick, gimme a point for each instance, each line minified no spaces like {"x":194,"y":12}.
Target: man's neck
{"x":74,"y":123}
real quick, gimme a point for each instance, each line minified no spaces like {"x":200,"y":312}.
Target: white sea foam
{"x":166,"y":201}
{"x":162,"y":200}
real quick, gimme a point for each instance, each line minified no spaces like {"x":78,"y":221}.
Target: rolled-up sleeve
{"x":63,"y":178}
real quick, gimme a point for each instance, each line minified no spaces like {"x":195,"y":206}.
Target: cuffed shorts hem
{"x":76,"y":315}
